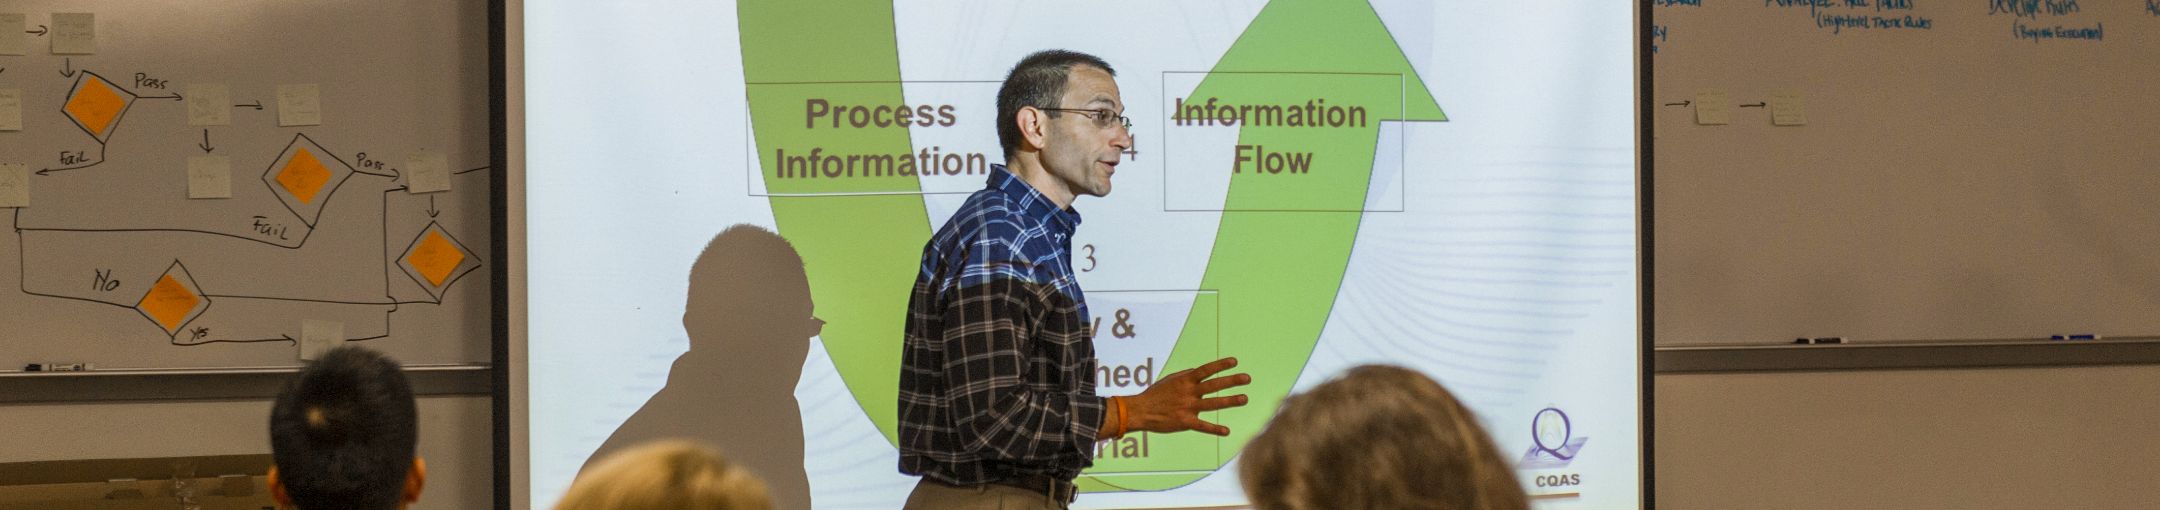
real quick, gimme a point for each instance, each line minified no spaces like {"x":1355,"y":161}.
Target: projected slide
{"x":1448,"y":186}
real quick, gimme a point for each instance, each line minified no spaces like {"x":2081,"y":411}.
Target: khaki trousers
{"x":931,"y":495}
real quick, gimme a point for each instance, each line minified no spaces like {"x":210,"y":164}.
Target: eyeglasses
{"x":1103,"y":116}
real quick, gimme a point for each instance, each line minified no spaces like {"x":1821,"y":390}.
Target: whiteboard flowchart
{"x":294,"y":200}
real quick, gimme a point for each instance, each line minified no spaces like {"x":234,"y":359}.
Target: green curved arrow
{"x":1276,"y":273}
{"x":860,"y":252}
{"x":1284,"y":241}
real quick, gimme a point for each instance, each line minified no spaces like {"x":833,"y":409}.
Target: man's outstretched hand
{"x":1174,"y":403}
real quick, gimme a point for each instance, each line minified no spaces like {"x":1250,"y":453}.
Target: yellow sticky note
{"x":209,"y":177}
{"x":14,"y":185}
{"x":73,"y":33}
{"x":427,"y":172}
{"x":10,"y":109}
{"x":209,"y":104}
{"x":318,"y":337}
{"x":1713,"y":108}
{"x":299,"y":105}
{"x":12,"y":41}
{"x":1786,"y":109}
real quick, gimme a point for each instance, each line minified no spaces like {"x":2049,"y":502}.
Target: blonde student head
{"x":1377,"y":437}
{"x":670,"y":475}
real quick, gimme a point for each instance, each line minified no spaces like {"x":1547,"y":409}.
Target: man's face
{"x":1082,"y":152}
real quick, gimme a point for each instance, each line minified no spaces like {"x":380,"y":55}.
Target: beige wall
{"x":2021,"y":438}
{"x":455,"y":438}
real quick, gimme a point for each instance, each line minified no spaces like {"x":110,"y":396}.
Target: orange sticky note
{"x":168,"y":303}
{"x":435,"y":257}
{"x":95,"y":105}
{"x":303,"y":176}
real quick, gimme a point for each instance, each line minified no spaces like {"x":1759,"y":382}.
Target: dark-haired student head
{"x":343,"y":434}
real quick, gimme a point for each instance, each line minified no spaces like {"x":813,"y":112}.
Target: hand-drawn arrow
{"x":67,"y":67}
{"x":205,"y":141}
{"x":175,"y":96}
{"x":431,"y":212}
{"x":40,"y":31}
{"x":281,"y":338}
{"x":78,"y":165}
{"x":1754,"y":105}
{"x":256,"y":105}
{"x":1682,"y":103}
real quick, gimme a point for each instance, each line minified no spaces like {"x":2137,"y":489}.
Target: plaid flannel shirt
{"x":997,"y":378}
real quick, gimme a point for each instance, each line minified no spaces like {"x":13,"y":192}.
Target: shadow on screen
{"x":749,"y":318}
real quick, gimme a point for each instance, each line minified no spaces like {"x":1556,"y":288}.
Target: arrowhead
{"x":1282,"y":39}
{"x":47,"y":171}
{"x":40,"y":31}
{"x":431,"y":213}
{"x":205,"y":148}
{"x":1310,"y":49}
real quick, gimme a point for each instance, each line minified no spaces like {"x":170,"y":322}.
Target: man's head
{"x":1059,"y":112}
{"x":343,"y":434}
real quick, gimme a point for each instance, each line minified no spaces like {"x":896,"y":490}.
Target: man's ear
{"x":1034,"y":126}
{"x":277,"y":490}
{"x":415,"y":480}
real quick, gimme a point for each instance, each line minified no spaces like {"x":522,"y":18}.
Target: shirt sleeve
{"x":997,"y":415}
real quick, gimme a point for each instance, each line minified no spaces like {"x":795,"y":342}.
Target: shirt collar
{"x":1032,"y":203}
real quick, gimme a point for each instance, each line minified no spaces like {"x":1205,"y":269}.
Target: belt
{"x":1057,"y":489}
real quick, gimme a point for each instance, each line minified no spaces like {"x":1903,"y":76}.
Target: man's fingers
{"x":1209,"y":428}
{"x":1219,"y":403}
{"x":1209,"y":370}
{"x":1224,"y":383}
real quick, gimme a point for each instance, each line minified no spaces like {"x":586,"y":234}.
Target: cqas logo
{"x":1553,"y":443}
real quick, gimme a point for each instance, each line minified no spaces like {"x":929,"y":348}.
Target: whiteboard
{"x":121,"y":258}
{"x":1965,"y":170}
